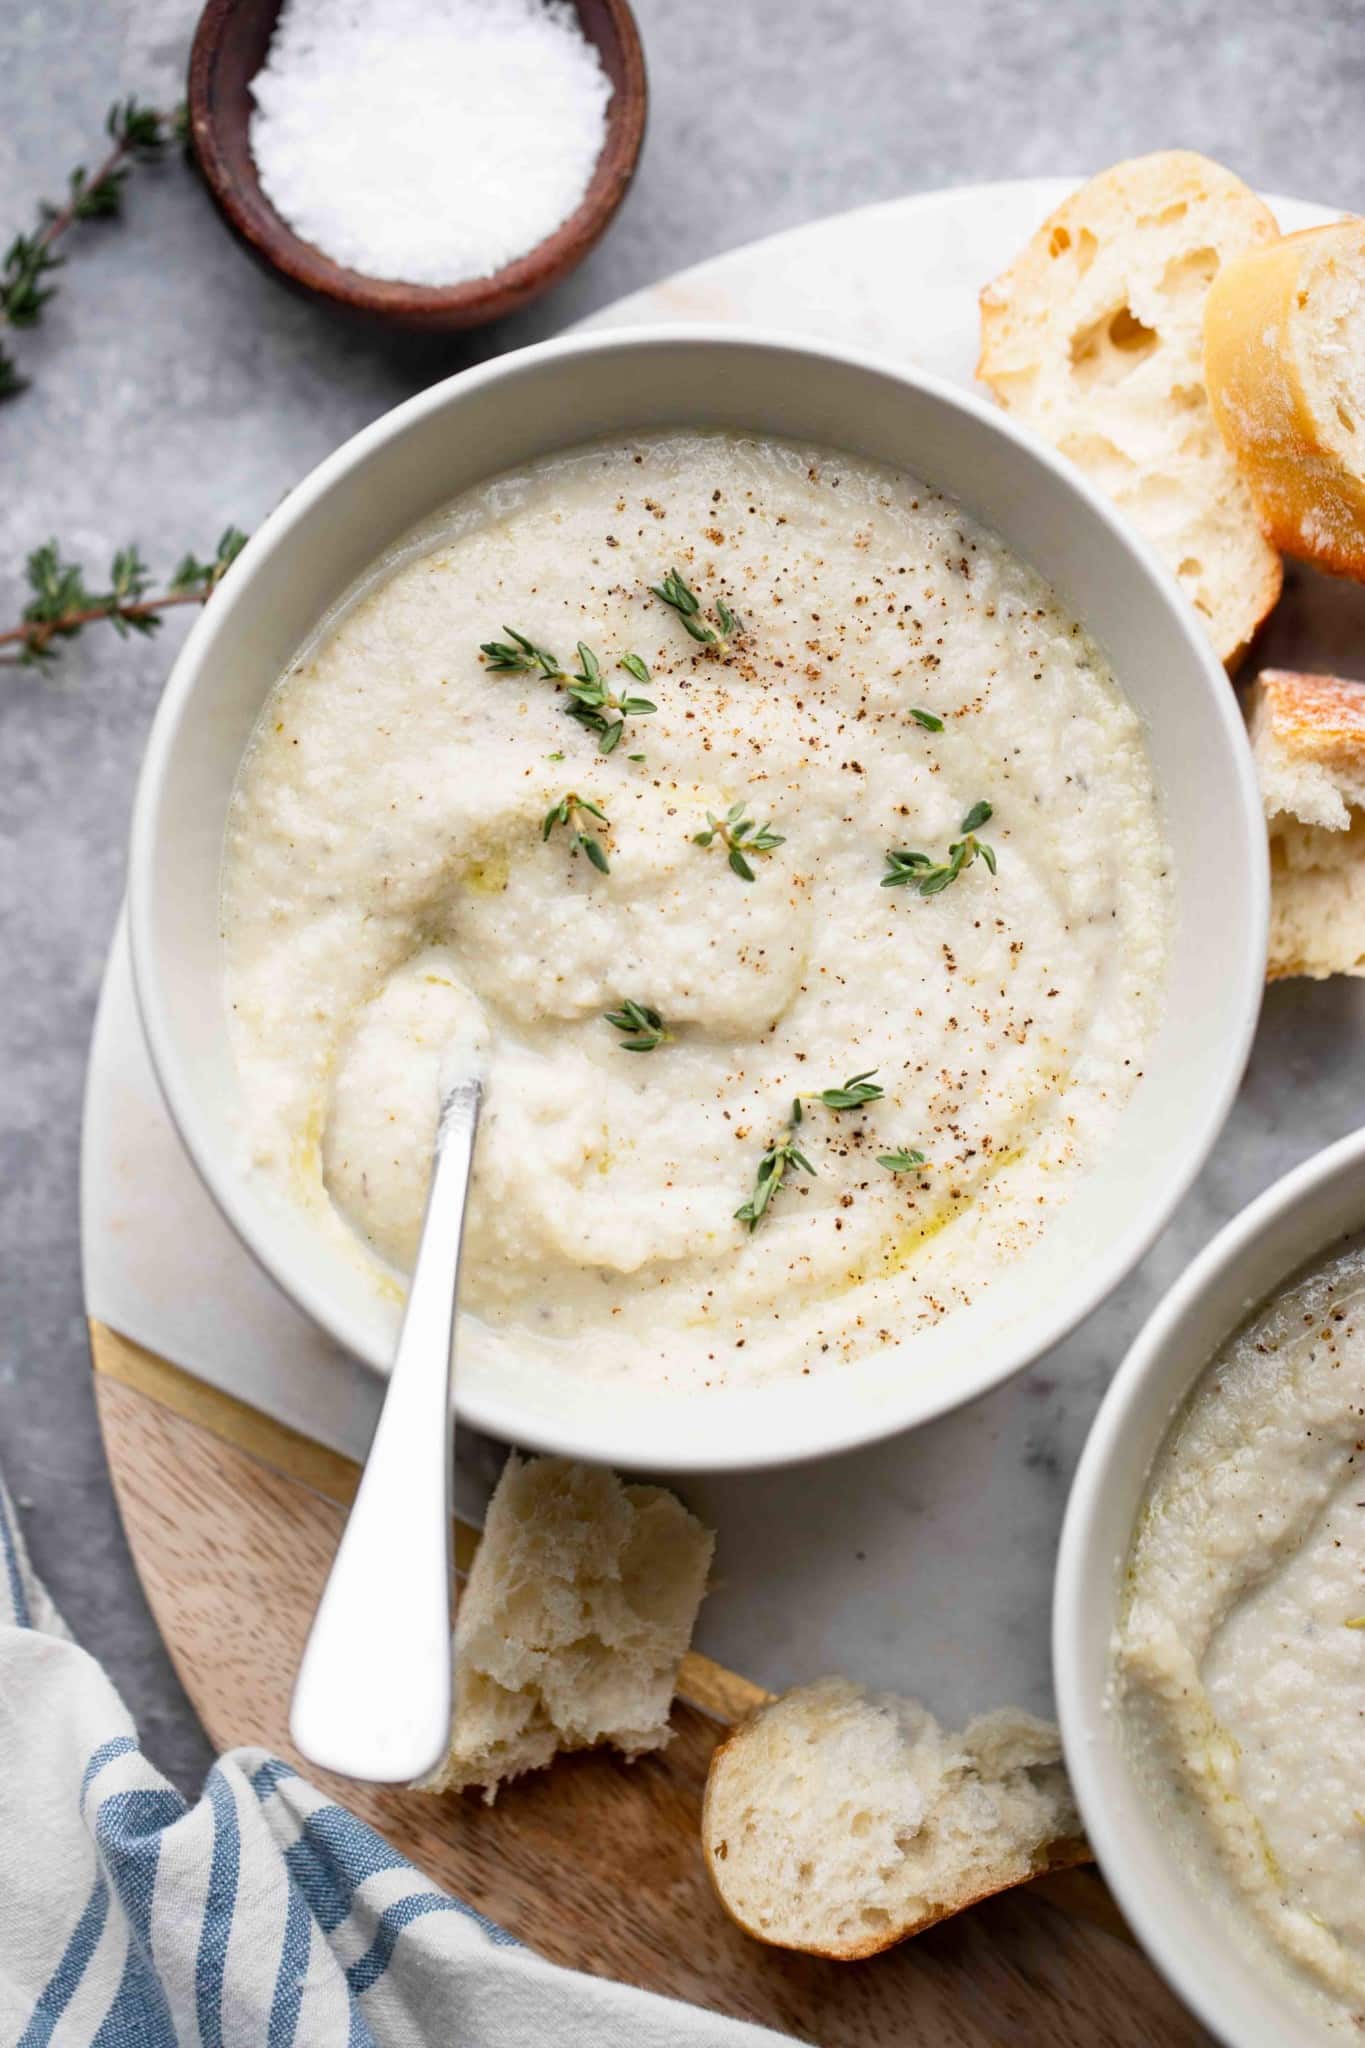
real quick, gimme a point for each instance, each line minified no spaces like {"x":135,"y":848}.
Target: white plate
{"x":870,"y":1549}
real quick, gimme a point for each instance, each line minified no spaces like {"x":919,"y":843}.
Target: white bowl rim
{"x":596,"y":1438}
{"x":1080,"y":1718}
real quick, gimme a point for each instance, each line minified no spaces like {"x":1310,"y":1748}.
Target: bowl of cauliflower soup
{"x":792,"y":786}
{"x":1209,"y":1628}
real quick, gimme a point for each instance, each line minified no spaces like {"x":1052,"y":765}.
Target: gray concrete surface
{"x":176,"y":389}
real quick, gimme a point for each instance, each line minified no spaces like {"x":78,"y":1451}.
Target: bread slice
{"x":1284,"y":358}
{"x":1308,"y":741}
{"x":575,"y":1617}
{"x":1094,"y":338}
{"x":840,"y":1822}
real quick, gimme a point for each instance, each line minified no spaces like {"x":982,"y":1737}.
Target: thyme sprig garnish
{"x":137,"y":133}
{"x":592,"y":701}
{"x":600,"y":708}
{"x":520,"y":657}
{"x":643,"y":1027}
{"x":857,"y":1090}
{"x":930,"y":877}
{"x":928,"y":719}
{"x":571,"y":810}
{"x":780,"y":1158}
{"x":680,"y":597}
{"x":900,"y":1162}
{"x":740,"y":836}
{"x":63,"y":604}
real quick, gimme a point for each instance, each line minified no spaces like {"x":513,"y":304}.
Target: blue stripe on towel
{"x":359,"y":2035}
{"x":288,"y":1999}
{"x":219,"y":1905}
{"x":366,"y":1971}
{"x":61,"y":1986}
{"x":128,"y":1830}
{"x":333,"y":1855}
{"x":268,"y":1775}
{"x":139,"y":2016}
{"x":18,"y":1596}
{"x":118,"y":1745}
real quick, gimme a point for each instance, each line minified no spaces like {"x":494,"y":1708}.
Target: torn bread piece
{"x":1094,"y":338}
{"x":1308,"y":741}
{"x":573,"y":1622}
{"x":840,"y":1822}
{"x":1284,"y":357}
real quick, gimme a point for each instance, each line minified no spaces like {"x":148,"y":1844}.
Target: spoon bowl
{"x":230,"y":46}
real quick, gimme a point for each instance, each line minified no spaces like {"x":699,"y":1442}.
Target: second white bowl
{"x":1191,"y":1942}
{"x":506,"y":413}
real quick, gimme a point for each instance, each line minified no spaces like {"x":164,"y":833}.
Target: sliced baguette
{"x":1094,"y":338}
{"x":1284,"y":359}
{"x":575,"y":1617}
{"x":1308,"y":741}
{"x":840,"y":1823}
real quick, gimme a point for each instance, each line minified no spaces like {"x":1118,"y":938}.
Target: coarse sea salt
{"x":428,"y":141}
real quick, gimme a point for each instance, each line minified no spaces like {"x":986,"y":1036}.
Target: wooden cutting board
{"x":232,"y":1520}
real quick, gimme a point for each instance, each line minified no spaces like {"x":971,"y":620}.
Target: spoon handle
{"x":372,"y":1697}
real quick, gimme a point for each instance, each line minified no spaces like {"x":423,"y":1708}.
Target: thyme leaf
{"x":519,"y":656}
{"x":597,"y":706}
{"x":592,"y":701}
{"x":920,"y":871}
{"x":27,"y":266}
{"x":680,"y":597}
{"x":857,"y":1090}
{"x":571,"y":810}
{"x":644,"y":1026}
{"x":900,"y":1162}
{"x":781,"y":1157}
{"x":62,"y":603}
{"x":927,"y":719}
{"x":740,"y":836}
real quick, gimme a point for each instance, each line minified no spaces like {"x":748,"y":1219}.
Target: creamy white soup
{"x":780,"y":848}
{"x":1241,"y":1653}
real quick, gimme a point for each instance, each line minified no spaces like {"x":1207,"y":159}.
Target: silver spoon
{"x":372,"y":1698}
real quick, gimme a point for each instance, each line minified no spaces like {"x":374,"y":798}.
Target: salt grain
{"x":430,"y":141}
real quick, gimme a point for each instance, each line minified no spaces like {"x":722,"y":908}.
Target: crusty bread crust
{"x":1317,"y":718}
{"x":1285,"y":413}
{"x":1093,"y":337}
{"x":1063,"y":1853}
{"x":1308,"y":743}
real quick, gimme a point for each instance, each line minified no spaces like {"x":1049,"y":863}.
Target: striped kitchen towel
{"x":261,"y":1917}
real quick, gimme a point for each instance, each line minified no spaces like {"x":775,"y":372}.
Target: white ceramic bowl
{"x":402,"y":469}
{"x":1296,"y":1220}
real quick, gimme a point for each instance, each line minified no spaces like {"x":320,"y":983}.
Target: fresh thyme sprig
{"x":644,"y":1026}
{"x":860,"y":1088}
{"x":137,"y":133}
{"x":780,"y":1157}
{"x":682,"y":599}
{"x":571,"y":810}
{"x":740,"y":836}
{"x":63,"y":604}
{"x":900,"y":1162}
{"x":521,"y":657}
{"x":922,"y":872}
{"x":600,"y":708}
{"x":592,"y":701}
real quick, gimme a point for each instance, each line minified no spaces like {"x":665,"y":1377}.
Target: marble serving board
{"x":926,"y":1563}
